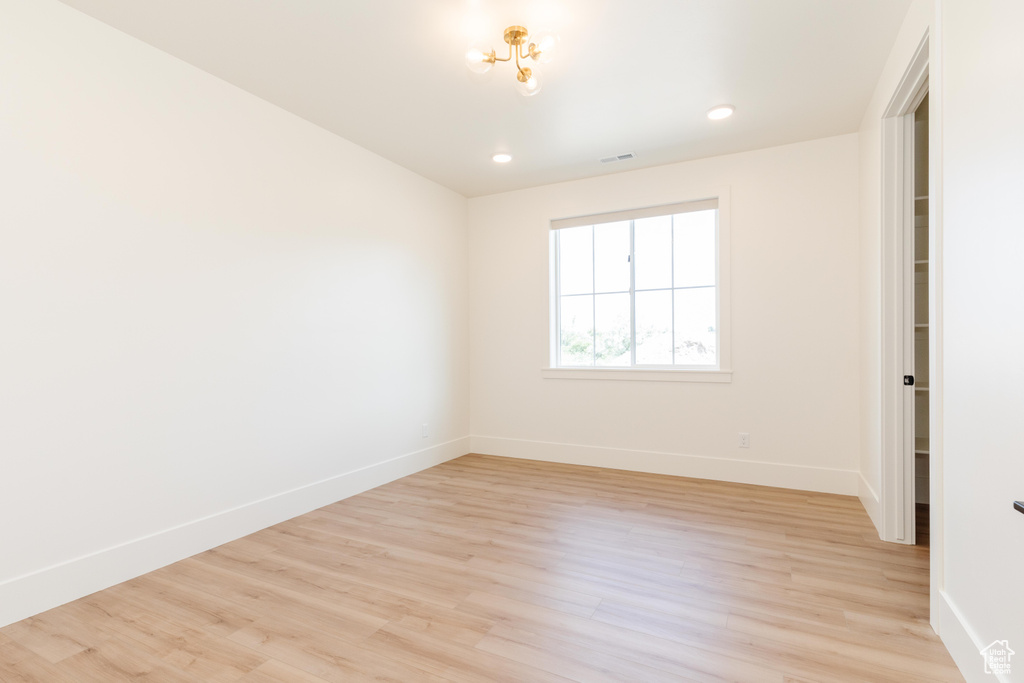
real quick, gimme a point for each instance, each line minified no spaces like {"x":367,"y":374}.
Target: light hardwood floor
{"x":487,"y":569}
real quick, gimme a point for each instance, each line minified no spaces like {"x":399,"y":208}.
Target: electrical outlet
{"x":426,"y":431}
{"x":744,"y":440}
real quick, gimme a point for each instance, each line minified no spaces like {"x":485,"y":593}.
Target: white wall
{"x":976,"y":59}
{"x":983,"y":176}
{"x":915,"y":26}
{"x":795,"y":341}
{"x":212,"y":311}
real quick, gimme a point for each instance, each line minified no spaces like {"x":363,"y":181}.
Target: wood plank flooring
{"x":487,"y":569}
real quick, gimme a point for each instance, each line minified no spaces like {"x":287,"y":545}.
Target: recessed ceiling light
{"x":722,"y":111}
{"x":502,"y":158}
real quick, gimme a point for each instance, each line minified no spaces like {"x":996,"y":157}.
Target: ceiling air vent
{"x":619,"y":157}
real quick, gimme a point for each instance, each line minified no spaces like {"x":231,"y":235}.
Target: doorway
{"x":908,"y":340}
{"x":912,"y":317}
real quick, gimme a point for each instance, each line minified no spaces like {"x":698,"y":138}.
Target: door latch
{"x":908,"y":380}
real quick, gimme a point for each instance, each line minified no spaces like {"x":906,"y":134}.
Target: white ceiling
{"x":631,"y":76}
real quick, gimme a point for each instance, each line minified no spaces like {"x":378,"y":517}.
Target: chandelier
{"x":521,"y":46}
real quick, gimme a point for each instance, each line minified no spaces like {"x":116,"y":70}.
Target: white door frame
{"x":897,"y":484}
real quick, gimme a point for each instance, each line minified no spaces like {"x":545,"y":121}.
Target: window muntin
{"x":641,"y":292}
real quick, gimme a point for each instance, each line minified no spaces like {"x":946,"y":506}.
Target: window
{"x":639,"y":289}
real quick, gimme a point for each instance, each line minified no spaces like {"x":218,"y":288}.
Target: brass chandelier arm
{"x":523,"y":73}
{"x":494,"y":58}
{"x":514,"y":54}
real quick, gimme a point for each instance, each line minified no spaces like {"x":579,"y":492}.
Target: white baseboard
{"x":24,"y":596}
{"x":779,"y":475}
{"x":871,"y":502}
{"x":963,"y":643}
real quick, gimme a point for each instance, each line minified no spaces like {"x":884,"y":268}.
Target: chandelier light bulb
{"x":479,"y":58}
{"x":543,"y":46}
{"x":528,"y":82}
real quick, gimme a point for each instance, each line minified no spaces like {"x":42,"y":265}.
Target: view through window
{"x":640,"y":291}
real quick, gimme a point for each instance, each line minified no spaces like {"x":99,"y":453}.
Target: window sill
{"x":635,"y":374}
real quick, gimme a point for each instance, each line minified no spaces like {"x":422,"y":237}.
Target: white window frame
{"x":720,"y":373}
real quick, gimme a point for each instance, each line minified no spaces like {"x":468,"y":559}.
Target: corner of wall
{"x":872,"y":505}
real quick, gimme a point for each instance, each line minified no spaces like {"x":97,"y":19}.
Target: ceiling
{"x":631,"y":75}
